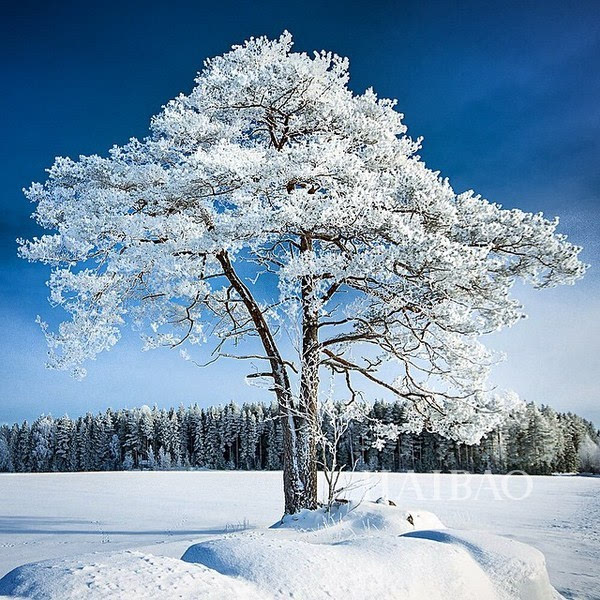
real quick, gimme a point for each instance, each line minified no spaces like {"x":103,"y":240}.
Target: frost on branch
{"x":273,"y":199}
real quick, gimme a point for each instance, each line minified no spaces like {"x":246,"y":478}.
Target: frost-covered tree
{"x":335,"y":420}
{"x":85,"y":452}
{"x":184,"y":452}
{"x":151,"y":459}
{"x":589,"y":455}
{"x":65,"y":438}
{"x":146,"y":430}
{"x":42,"y":443}
{"x":540,"y":441}
{"x":132,"y":439}
{"x":114,"y":453}
{"x":128,"y":462}
{"x":199,"y":443}
{"x":174,"y":437}
{"x":21,"y":448}
{"x":273,"y":168}
{"x":5,"y":458}
{"x":164,"y":459}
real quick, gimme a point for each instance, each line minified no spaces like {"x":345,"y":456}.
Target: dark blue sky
{"x":507,"y":96}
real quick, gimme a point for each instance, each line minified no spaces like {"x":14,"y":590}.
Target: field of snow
{"x":159,"y":516}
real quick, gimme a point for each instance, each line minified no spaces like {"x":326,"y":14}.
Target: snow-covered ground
{"x":161,"y":514}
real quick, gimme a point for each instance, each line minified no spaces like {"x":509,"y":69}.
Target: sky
{"x":505,"y":94}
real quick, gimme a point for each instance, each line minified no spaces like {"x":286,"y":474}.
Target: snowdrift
{"x":377,"y":551}
{"x":354,"y":552}
{"x":124,"y":576}
{"x":351,"y":519}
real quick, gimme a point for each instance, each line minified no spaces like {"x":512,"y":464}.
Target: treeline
{"x":536,"y":440}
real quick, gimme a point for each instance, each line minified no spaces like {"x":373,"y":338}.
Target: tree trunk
{"x":299,"y":484}
{"x":293,"y":484}
{"x":309,"y":387}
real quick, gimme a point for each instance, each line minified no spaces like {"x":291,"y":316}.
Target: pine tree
{"x":5,"y":458}
{"x":151,"y":459}
{"x":214,"y":453}
{"x":557,"y":434}
{"x":131,"y":435}
{"x":174,"y":438}
{"x":184,"y":437}
{"x":146,"y":432}
{"x":42,"y":443}
{"x":64,"y":440}
{"x":231,"y":427}
{"x":162,"y":434}
{"x":128,"y":463}
{"x":85,"y":453}
{"x":164,"y":459}
{"x":99,"y":442}
{"x":539,"y":442}
{"x":199,"y":446}
{"x":13,"y":447}
{"x":23,"y":462}
{"x":407,"y":452}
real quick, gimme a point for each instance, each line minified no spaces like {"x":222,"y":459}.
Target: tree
{"x":335,"y":420}
{"x":174,"y":437}
{"x":589,"y":455}
{"x":164,"y":459}
{"x":65,"y":438}
{"x":151,"y":459}
{"x":540,"y":441}
{"x":5,"y":458}
{"x":21,"y":453}
{"x":131,"y":438}
{"x":272,"y":168}
{"x":85,"y":453}
{"x":114,"y":453}
{"x":42,"y":443}
{"x":128,"y":462}
{"x":146,"y":431}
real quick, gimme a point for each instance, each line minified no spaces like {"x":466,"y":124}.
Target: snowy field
{"x":45,"y":516}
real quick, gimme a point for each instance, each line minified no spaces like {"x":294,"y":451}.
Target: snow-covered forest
{"x":536,"y":440}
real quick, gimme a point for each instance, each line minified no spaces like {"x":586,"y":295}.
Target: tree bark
{"x":309,"y":386}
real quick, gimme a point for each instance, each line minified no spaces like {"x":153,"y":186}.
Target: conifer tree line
{"x":250,"y":437}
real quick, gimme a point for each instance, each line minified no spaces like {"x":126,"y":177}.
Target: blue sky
{"x":506,"y":95}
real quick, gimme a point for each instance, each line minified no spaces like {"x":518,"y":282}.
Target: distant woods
{"x":249,"y":437}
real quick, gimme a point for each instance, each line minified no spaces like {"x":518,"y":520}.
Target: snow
{"x":127,"y":574}
{"x":354,"y":552}
{"x":352,"y":519}
{"x":358,"y":553}
{"x":380,"y":567}
{"x":142,"y":523}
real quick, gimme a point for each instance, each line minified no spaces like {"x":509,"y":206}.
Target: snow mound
{"x":377,"y":551}
{"x":372,"y":567}
{"x":365,"y":518}
{"x":516,"y":569}
{"x":126,"y":575}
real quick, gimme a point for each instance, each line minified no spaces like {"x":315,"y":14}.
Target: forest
{"x":537,"y":440}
